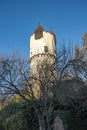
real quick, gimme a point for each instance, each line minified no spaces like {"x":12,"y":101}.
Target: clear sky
{"x":19,"y":18}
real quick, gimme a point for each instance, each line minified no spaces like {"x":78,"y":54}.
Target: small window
{"x":45,"y":49}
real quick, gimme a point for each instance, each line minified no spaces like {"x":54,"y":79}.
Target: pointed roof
{"x":39,"y":32}
{"x":39,"y":28}
{"x":51,"y":32}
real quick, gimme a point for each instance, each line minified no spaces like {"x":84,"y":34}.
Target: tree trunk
{"x":42,"y":123}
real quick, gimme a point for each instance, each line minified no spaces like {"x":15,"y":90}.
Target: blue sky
{"x":19,"y":18}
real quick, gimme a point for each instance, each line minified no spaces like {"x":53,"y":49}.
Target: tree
{"x":41,"y":88}
{"x":15,"y":79}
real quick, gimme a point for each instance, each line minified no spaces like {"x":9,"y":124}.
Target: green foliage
{"x":9,"y":110}
{"x":19,"y":116}
{"x":16,"y":122}
{"x":76,"y":121}
{"x":30,"y":115}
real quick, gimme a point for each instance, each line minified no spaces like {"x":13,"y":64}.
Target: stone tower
{"x":42,"y":48}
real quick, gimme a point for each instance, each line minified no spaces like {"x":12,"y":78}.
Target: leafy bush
{"x":9,"y":110}
{"x":19,"y":116}
{"x":16,"y":122}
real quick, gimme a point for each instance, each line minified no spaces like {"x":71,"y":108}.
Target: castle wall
{"x":42,"y":50}
{"x":37,"y":46}
{"x":42,"y":57}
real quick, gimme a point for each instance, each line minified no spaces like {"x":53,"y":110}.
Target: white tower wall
{"x":43,"y":48}
{"x":37,"y":46}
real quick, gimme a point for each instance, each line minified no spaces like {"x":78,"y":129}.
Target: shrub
{"x":16,"y":122}
{"x":19,"y":116}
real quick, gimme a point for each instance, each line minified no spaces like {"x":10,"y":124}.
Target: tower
{"x":42,"y":48}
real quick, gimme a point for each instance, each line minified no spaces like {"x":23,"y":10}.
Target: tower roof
{"x":51,"y":31}
{"x":38,"y":32}
{"x":39,"y":28}
{"x":53,"y":34}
